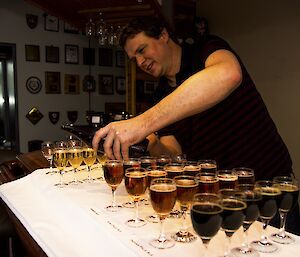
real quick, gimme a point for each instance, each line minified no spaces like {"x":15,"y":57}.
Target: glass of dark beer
{"x":245,"y":175}
{"x":289,"y":188}
{"x":136,"y":185}
{"x":187,"y":187}
{"x":163,"y":197}
{"x":252,"y":197}
{"x":113,"y":173}
{"x":271,"y":196}
{"x":227,"y":179}
{"x":206,"y":215}
{"x":233,"y":214}
{"x":191,"y":168}
{"x":208,"y":182}
{"x":209,"y":166}
{"x":147,"y":161}
{"x":179,"y":158}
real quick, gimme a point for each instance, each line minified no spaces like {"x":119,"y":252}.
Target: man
{"x":210,"y":108}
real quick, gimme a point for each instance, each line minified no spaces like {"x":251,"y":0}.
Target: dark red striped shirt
{"x":236,"y":132}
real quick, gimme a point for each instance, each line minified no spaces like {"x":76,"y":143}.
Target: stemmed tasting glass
{"x":179,"y":158}
{"x":147,"y":161}
{"x":174,"y":169}
{"x":163,"y":159}
{"x":163,"y":197}
{"x":209,"y":166}
{"x":191,"y":168}
{"x":233,"y":215}
{"x":252,"y":197}
{"x":75,"y":158}
{"x":289,"y":188}
{"x":60,"y":159}
{"x":206,"y":216}
{"x":136,"y":185}
{"x":153,"y":173}
{"x":245,"y":175}
{"x":208,"y":182}
{"x":113,"y":174}
{"x":89,"y":158}
{"x":228,"y":179}
{"x":131,"y":163}
{"x":267,"y":207}
{"x":101,"y":158}
{"x":187,"y":187}
{"x":47,"y":148}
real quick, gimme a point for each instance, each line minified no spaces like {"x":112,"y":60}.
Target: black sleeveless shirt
{"x":238,"y":131}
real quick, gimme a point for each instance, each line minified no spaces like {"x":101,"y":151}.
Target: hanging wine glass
{"x":101,"y":31}
{"x":90,"y":28}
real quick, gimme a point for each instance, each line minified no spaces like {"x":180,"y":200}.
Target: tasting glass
{"x":136,"y":185}
{"x":209,"y":166}
{"x":191,"y":168}
{"x":233,"y":214}
{"x":89,"y":158}
{"x":163,"y":197}
{"x":267,"y":207}
{"x":245,"y":175}
{"x":47,"y":148}
{"x":101,"y":158}
{"x":208,"y":182}
{"x":228,"y":179}
{"x":147,"y":161}
{"x":252,"y":197}
{"x":163,"y":159}
{"x":153,"y":173}
{"x":130,"y":163}
{"x":206,"y":216}
{"x":289,"y":188}
{"x":174,"y":169}
{"x":75,"y":158}
{"x":179,"y":158}
{"x":113,"y":174}
{"x":187,"y":187}
{"x":60,"y":159}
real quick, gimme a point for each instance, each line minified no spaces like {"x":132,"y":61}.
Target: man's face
{"x":151,"y":54}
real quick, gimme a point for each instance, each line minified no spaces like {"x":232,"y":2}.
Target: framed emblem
{"x":89,"y":83}
{"x":72,"y":116}
{"x":53,"y":117}
{"x":32,"y":20}
{"x":34,"y":115}
{"x":33,"y":85}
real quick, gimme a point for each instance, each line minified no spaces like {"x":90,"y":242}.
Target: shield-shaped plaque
{"x":72,"y":116}
{"x":32,"y":20}
{"x":54,"y":117}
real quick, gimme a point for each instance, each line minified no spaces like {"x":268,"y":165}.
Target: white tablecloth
{"x":72,"y":221}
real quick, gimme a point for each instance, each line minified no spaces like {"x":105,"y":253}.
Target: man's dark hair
{"x":151,"y":26}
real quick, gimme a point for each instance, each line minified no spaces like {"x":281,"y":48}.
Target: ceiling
{"x":115,"y":12}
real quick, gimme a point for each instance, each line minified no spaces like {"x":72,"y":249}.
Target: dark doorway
{"x":9,"y":135}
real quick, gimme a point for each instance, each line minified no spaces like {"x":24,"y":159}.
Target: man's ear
{"x":164,"y":35}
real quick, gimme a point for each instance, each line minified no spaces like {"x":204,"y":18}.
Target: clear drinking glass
{"x":113,"y":174}
{"x":233,"y":215}
{"x":206,"y":215}
{"x":252,"y":197}
{"x":60,"y":159}
{"x":163,"y":197}
{"x":208,"y":182}
{"x":187,"y":187}
{"x":267,"y":207}
{"x":191,"y":168}
{"x":47,"y":149}
{"x":75,"y":158}
{"x":89,"y":158}
{"x":101,"y":158}
{"x":289,"y":188}
{"x":245,"y":175}
{"x":227,"y":179}
{"x":136,"y":185}
{"x":209,"y":166}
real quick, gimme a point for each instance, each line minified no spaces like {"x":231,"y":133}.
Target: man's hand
{"x":119,"y":136}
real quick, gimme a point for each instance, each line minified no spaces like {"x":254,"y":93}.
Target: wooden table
{"x":29,"y":162}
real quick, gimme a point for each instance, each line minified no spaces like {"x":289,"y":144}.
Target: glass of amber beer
{"x":113,"y":174}
{"x":208,"y":182}
{"x":228,"y":179}
{"x":163,"y":197}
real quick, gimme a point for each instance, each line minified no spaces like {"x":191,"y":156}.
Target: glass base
{"x":128,"y":205}
{"x":75,"y":182}
{"x":244,"y":251}
{"x":61,"y":185}
{"x":162,"y":244}
{"x":113,"y":208}
{"x":153,"y":218}
{"x":145,"y":201}
{"x":184,"y":237}
{"x":282,"y":239}
{"x":135,"y":223}
{"x":264,"y":247}
{"x":175,"y":214}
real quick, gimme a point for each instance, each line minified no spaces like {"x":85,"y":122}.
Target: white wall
{"x":266,"y":36}
{"x":13,"y":29}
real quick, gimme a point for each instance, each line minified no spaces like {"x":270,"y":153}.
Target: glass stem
{"x":114,"y":197}
{"x":61,"y":177}
{"x":206,"y":248}
{"x":89,"y":173}
{"x":227,"y":245}
{"x":264,"y":239}
{"x":136,"y":211}
{"x":183,"y":225}
{"x":282,"y":223}
{"x":246,"y":243}
{"x":162,"y":236}
{"x":51,"y":164}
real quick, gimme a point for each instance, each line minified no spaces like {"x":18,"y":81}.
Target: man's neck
{"x":175,"y":63}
